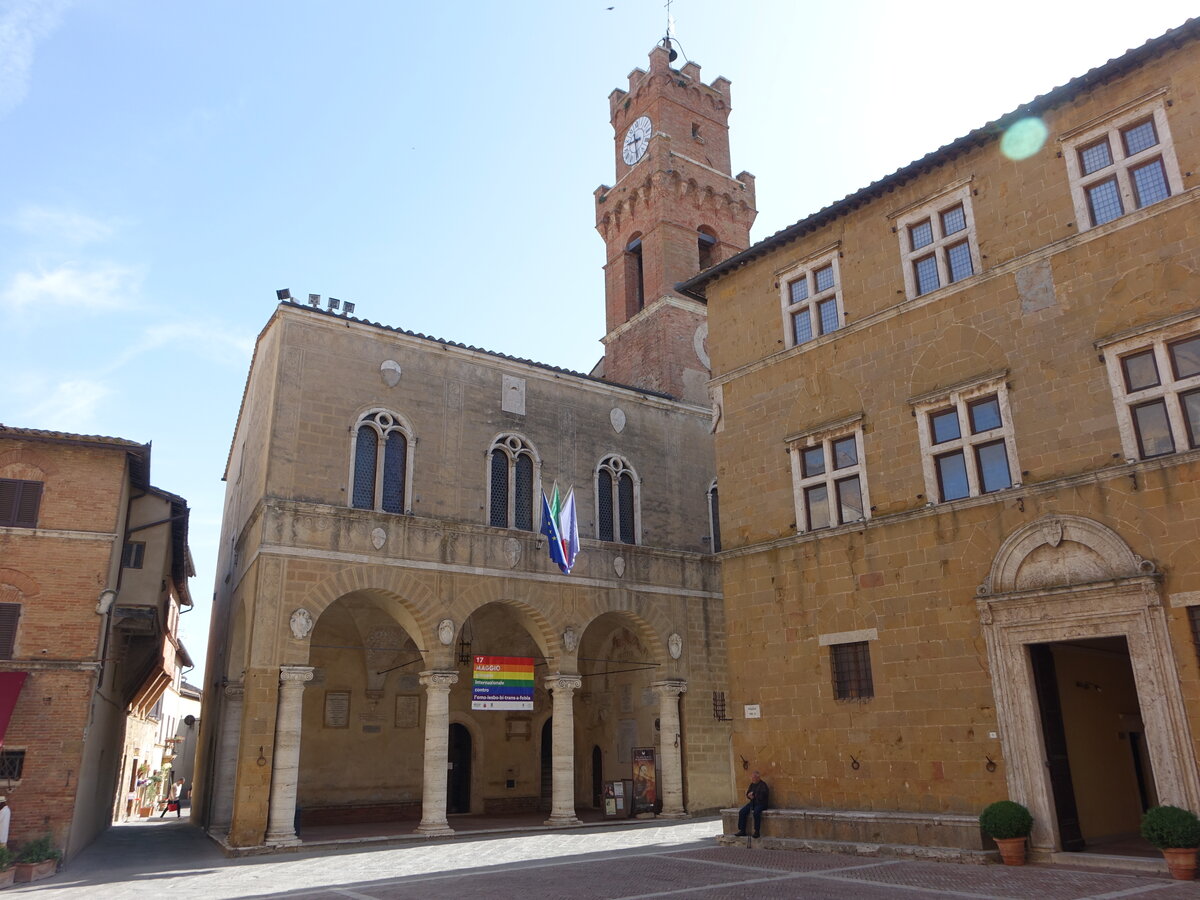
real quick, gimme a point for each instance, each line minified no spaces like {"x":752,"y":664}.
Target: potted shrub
{"x":6,"y":868}
{"x":36,"y":859}
{"x":1008,"y":824}
{"x":1176,"y":832}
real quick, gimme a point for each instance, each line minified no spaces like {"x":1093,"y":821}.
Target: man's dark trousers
{"x":751,"y":807}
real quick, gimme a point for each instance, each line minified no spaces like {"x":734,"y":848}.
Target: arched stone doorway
{"x":508,"y":748}
{"x":365,"y":703}
{"x":1061,"y":591}
{"x":626,"y":702}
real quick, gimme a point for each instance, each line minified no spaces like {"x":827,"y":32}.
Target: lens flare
{"x":1023,"y":138}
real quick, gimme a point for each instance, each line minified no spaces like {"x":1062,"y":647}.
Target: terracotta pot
{"x":1181,"y":861}
{"x":34,"y":871}
{"x":6,"y":876}
{"x":1012,"y":850}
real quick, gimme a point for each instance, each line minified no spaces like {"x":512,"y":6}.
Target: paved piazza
{"x":166,"y":858}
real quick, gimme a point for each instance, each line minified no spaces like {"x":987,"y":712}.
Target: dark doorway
{"x":547,"y":792}
{"x":458,"y":778}
{"x":1099,"y":769}
{"x":597,"y":777}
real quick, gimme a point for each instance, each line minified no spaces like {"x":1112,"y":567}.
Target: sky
{"x":165,"y":167}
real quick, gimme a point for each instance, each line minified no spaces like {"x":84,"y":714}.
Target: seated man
{"x":757,"y":793}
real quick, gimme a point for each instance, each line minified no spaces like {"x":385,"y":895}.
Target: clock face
{"x":637,"y":138}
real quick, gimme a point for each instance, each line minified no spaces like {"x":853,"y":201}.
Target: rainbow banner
{"x":502,"y":682}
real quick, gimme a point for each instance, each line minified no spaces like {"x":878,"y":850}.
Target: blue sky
{"x":166,"y":166}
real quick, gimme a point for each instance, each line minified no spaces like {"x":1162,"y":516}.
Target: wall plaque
{"x":337,"y":709}
{"x":408,"y":710}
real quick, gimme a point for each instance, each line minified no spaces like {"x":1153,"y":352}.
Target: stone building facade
{"x":93,"y":575}
{"x":381,"y":530}
{"x":958,"y":456}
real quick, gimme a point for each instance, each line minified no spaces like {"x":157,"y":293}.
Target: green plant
{"x":6,"y":859}
{"x":1006,"y":819}
{"x":38,"y":850}
{"x":1171,"y":827}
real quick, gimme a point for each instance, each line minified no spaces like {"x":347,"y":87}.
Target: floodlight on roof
{"x":283,"y":294}
{"x":348,"y":308}
{"x":314,"y":299}
{"x":334,"y":303}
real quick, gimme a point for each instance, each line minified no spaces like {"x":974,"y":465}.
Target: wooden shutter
{"x":10,"y":613}
{"x":19,"y":502}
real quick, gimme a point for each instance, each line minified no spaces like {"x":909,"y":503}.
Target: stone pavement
{"x":170,"y":858}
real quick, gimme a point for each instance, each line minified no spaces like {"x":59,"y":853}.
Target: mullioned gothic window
{"x":382,"y":462}
{"x":512,"y":482}
{"x":617,"y":499}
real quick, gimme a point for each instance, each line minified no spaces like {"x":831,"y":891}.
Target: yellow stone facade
{"x":1090,"y":552}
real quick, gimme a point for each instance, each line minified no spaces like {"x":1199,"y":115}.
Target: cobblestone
{"x":630,"y":862}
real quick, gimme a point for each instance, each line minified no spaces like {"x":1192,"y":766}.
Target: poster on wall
{"x":645,"y":780}
{"x":502,"y":682}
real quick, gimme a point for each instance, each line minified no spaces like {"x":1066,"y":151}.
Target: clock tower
{"x":674,"y":210}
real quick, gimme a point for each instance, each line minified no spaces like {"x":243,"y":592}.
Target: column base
{"x":560,"y":821}
{"x":434,"y":829}
{"x":674,"y":814}
{"x":282,"y":840}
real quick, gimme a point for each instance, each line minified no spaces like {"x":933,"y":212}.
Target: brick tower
{"x":675,"y":209}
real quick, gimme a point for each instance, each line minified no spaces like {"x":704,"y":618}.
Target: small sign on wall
{"x":408,"y":707}
{"x":752,"y":711}
{"x":337,"y":709}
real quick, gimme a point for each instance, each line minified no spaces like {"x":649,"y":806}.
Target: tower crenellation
{"x":673,"y":210}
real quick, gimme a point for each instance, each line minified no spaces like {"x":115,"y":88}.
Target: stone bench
{"x":870,"y":833}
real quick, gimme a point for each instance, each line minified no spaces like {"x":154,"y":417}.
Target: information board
{"x":502,"y":682}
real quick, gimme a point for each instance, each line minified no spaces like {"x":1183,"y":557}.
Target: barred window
{"x":12,"y":764}
{"x":382,"y":452}
{"x":512,"y":471}
{"x":617,"y":498}
{"x":851,"y":665}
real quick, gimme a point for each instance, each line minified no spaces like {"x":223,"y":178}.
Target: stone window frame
{"x":806,"y":271}
{"x":933,"y":208}
{"x":617,"y":466}
{"x":384,"y":422}
{"x":825,"y":436}
{"x":1111,"y":127}
{"x":850,"y":671}
{"x":714,"y":517}
{"x":961,"y":397}
{"x":514,"y":445}
{"x":1158,"y":337}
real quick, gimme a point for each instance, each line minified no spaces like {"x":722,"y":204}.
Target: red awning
{"x":10,"y":689}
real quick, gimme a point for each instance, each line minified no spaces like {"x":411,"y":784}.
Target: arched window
{"x":382,"y":463}
{"x":714,"y":517}
{"x":617,"y":496}
{"x":706,"y":246}
{"x":635,"y":285}
{"x":513,"y":476}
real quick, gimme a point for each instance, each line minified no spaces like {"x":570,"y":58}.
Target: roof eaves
{"x":694,"y":287}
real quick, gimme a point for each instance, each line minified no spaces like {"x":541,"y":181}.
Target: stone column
{"x":285,"y":767}
{"x":562,"y":806}
{"x":437,"y":740}
{"x":224,"y":775}
{"x":670,"y":761}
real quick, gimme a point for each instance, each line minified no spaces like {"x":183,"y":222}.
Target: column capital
{"x":295,"y":674}
{"x":234,"y":690}
{"x":670,"y":686}
{"x":568,"y":684}
{"x":435,"y":679}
